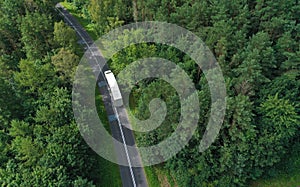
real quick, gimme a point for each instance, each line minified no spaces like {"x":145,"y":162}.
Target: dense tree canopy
{"x":257,"y":45}
{"x":255,"y":42}
{"x":39,"y":141}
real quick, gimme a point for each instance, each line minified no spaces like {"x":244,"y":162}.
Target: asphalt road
{"x":131,"y":176}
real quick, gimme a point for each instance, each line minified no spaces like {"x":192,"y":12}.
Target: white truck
{"x":114,"y":88}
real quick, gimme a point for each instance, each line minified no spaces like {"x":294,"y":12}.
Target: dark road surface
{"x":131,"y":176}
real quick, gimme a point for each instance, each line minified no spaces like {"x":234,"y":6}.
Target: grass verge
{"x":151,"y":176}
{"x":158,"y":176}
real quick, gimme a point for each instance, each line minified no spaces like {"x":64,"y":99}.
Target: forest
{"x":256,"y":43}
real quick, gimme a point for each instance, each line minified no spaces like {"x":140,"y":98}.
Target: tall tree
{"x":278,"y":124}
{"x":36,"y":32}
{"x":65,"y":62}
{"x":64,"y":36}
{"x":35,"y":77}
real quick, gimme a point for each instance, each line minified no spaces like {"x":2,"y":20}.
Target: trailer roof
{"x":113,"y":85}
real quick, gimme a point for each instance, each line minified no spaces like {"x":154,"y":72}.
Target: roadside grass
{"x":171,"y":180}
{"x":109,"y":173}
{"x":87,"y":25}
{"x":284,"y":174}
{"x":151,"y":176}
{"x":159,"y":177}
{"x":101,"y":109}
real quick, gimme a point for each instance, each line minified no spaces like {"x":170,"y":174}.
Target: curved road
{"x":131,"y":176}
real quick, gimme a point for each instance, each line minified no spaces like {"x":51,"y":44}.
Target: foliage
{"x":36,"y":30}
{"x":65,"y":62}
{"x":39,"y":141}
{"x":255,"y":42}
{"x":258,"y":52}
{"x":64,"y":36}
